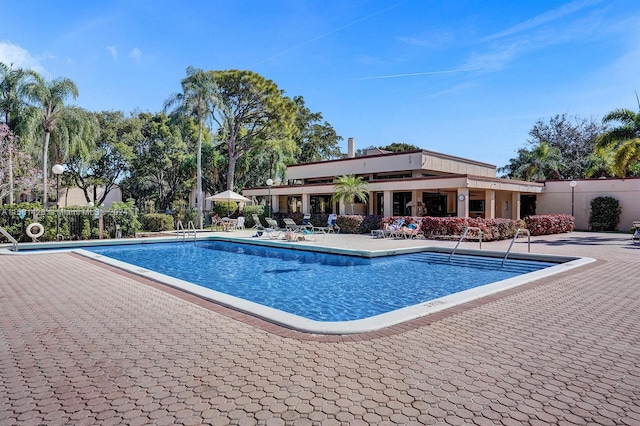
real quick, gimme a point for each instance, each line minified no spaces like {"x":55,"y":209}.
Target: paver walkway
{"x":83,"y":344}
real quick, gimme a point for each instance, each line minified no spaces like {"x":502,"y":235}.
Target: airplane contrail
{"x":413,"y":74}
{"x":333,"y":31}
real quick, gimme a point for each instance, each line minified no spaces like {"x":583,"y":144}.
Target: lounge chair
{"x":291,"y":225}
{"x":257,"y":225}
{"x":306,"y":222}
{"x":331,"y":225}
{"x":395,"y":229}
{"x":410,"y":232}
{"x":635,"y":238}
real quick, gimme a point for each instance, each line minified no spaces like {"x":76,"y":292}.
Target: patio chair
{"x":635,"y":238}
{"x":216,"y":223}
{"x":240,"y":223}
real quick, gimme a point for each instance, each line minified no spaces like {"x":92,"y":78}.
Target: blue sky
{"x":466,"y":78}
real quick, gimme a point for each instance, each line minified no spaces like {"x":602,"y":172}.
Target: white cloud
{"x":135,"y":54}
{"x":114,"y":52}
{"x":20,"y":58}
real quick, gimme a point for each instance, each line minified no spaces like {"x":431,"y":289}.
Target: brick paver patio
{"x":83,"y":344}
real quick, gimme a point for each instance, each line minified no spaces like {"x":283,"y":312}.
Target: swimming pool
{"x":321,"y":292}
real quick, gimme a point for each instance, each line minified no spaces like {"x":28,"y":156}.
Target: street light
{"x":269,"y":183}
{"x":573,"y":185}
{"x":57,"y":170}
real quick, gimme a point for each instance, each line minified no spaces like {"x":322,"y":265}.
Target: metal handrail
{"x":514,"y":240}
{"x":190,"y":228}
{"x":464,"y":234}
{"x":14,"y":242}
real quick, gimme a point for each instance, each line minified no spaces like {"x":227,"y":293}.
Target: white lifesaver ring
{"x":38,"y":233}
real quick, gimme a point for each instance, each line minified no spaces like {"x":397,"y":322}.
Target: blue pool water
{"x":318,"y":286}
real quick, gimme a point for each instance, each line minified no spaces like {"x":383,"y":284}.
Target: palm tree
{"x":11,"y":102}
{"x":47,"y":112}
{"x":625,"y":139}
{"x":198,"y":99}
{"x":348,"y":188}
{"x":539,"y":163}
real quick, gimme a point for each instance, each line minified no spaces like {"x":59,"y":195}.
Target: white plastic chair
{"x":240,"y":223}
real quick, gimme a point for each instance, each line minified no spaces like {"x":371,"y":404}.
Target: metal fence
{"x":68,"y":224}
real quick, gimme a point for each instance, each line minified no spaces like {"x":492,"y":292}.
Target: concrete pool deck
{"x":83,"y":343}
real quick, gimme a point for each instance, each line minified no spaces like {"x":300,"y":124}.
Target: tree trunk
{"x":45,"y":168}
{"x":199,"y":200}
{"x":231,"y":171}
{"x":11,"y":189}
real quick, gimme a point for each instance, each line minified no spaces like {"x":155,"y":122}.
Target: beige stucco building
{"x":426,"y":183}
{"x":417,"y":183}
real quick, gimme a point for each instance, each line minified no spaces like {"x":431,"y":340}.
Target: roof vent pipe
{"x":351,"y":148}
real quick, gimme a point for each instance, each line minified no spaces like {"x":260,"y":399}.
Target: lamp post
{"x":269,"y":183}
{"x":57,"y":170}
{"x":573,"y":185}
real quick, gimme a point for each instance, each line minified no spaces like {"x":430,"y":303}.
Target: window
{"x":320,"y":204}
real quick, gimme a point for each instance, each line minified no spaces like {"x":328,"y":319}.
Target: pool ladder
{"x":13,"y":241}
{"x":525,"y":230}
{"x":191,"y":229}
{"x":464,"y":234}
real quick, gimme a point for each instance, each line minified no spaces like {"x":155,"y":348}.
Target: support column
{"x":275,"y":203}
{"x":515,"y":205}
{"x":388,"y":203}
{"x":414,"y":202}
{"x":489,"y":204}
{"x":306,"y":203}
{"x":462,"y":198}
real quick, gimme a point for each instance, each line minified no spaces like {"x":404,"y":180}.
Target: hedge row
{"x":492,"y":229}
{"x":446,"y":227}
{"x":549,"y":224}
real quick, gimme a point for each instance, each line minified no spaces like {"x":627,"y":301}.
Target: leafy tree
{"x":317,"y":140}
{"x":348,"y":188}
{"x":72,"y":128}
{"x":163,"y":168}
{"x":109,"y":161}
{"x":256,"y":115}
{"x":392,"y":147}
{"x":575,"y":139}
{"x":198,"y":99}
{"x":400,"y":147}
{"x":625,"y":140}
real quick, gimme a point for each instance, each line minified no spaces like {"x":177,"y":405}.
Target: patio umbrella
{"x":228,"y":196}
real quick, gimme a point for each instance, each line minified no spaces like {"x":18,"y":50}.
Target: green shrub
{"x":225,"y":208}
{"x":127,"y":218}
{"x":251,"y":210}
{"x":605,"y":214}
{"x":86,"y":228}
{"x":156,"y":222}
